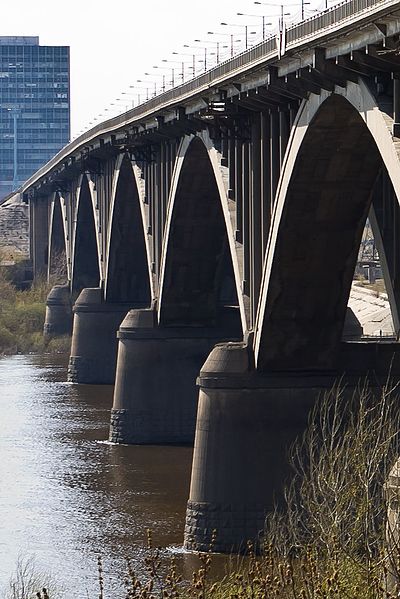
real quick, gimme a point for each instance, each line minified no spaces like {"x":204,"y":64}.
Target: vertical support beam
{"x":385,"y":222}
{"x":255,"y":214}
{"x":283,"y":134}
{"x":40,"y":235}
{"x":154,"y":212}
{"x":396,"y":107}
{"x":266,"y":200}
{"x":274,"y":153}
{"x":163,"y":184}
{"x":239,"y":191}
{"x":231,"y":168}
{"x":158,"y":207}
{"x":292,"y":116}
{"x":389,"y":282}
{"x":245,"y":216}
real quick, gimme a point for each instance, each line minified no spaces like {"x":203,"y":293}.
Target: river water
{"x":67,"y":495}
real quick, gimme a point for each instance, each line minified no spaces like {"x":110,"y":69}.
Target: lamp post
{"x":238,"y":25}
{"x":146,"y":86}
{"x":205,"y":53}
{"x":302,"y":3}
{"x":264,"y":24}
{"x":193,"y":56}
{"x":230,"y":35}
{"x":136,"y":87}
{"x":128,"y":94}
{"x":172,"y":70}
{"x":217,"y":46}
{"x":182,"y":74}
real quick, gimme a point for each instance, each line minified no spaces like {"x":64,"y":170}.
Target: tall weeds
{"x":334,"y":524}
{"x":22,"y":316}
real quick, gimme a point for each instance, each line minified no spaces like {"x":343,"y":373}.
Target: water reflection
{"x":66,"y":494}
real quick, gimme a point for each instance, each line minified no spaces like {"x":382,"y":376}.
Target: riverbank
{"x":22,"y":314}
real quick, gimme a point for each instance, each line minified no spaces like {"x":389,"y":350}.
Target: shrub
{"x":332,"y":531}
{"x":7,"y":340}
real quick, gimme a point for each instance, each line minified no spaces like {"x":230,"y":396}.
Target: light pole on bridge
{"x":182,"y":63}
{"x":199,"y":48}
{"x":302,"y":4}
{"x":230,"y":35}
{"x":217,"y":46}
{"x":264,"y":24}
{"x":241,"y":26}
{"x":193,"y":57}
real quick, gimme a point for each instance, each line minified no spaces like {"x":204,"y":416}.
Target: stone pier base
{"x":246,"y":423}
{"x":94,"y":338}
{"x":58,"y":320}
{"x":245,"y":426}
{"x":155,"y":396}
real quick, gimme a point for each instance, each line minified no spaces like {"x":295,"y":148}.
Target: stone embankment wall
{"x":372,"y":311}
{"x":14,"y":229}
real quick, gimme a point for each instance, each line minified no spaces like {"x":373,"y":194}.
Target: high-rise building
{"x":34,"y":107}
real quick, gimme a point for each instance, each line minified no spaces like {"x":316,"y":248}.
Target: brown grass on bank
{"x":22,"y":312}
{"x":22,"y":316}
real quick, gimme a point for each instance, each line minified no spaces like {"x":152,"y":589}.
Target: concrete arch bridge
{"x":212,"y":233}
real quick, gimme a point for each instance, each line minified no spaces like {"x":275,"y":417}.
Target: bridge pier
{"x":155,"y":396}
{"x":58,"y":319}
{"x":246,"y":423}
{"x":94,"y":338}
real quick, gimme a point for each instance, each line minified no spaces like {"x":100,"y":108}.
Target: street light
{"x":128,"y":94}
{"x":282,"y":6}
{"x":146,"y":85}
{"x":182,"y":63}
{"x":205,"y":53}
{"x":212,"y":41}
{"x":242,"y":14}
{"x":237,"y":25}
{"x":167,"y":69}
{"x":193,"y":56}
{"x":137,"y":87}
{"x":230,"y":35}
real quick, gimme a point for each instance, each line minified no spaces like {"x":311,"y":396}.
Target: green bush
{"x":8,"y":341}
{"x":29,"y":317}
{"x":22,"y":315}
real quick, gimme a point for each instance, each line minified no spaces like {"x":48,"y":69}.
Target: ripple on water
{"x":67,"y":494}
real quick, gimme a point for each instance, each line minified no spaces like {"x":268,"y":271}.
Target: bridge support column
{"x":39,"y":224}
{"x":94,"y":338}
{"x":396,"y":107}
{"x":155,"y":397}
{"x":245,"y":425}
{"x":58,"y":320}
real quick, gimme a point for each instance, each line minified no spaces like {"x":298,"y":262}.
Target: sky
{"x":113,"y":44}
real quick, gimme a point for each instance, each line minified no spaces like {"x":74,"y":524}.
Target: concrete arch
{"x":58,"y":263}
{"x":197,"y":263}
{"x":128,"y":277}
{"x":319,"y":190}
{"x":86,"y":266}
{"x":199,"y":192}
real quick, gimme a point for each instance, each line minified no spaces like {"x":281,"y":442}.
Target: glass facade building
{"x":34,"y":107}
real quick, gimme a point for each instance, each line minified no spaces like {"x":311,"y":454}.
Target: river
{"x":67,"y":495}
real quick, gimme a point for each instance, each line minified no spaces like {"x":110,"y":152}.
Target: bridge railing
{"x":333,"y":16}
{"x":330,"y":17}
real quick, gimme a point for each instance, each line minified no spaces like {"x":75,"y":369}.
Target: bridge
{"x":210,"y":236}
